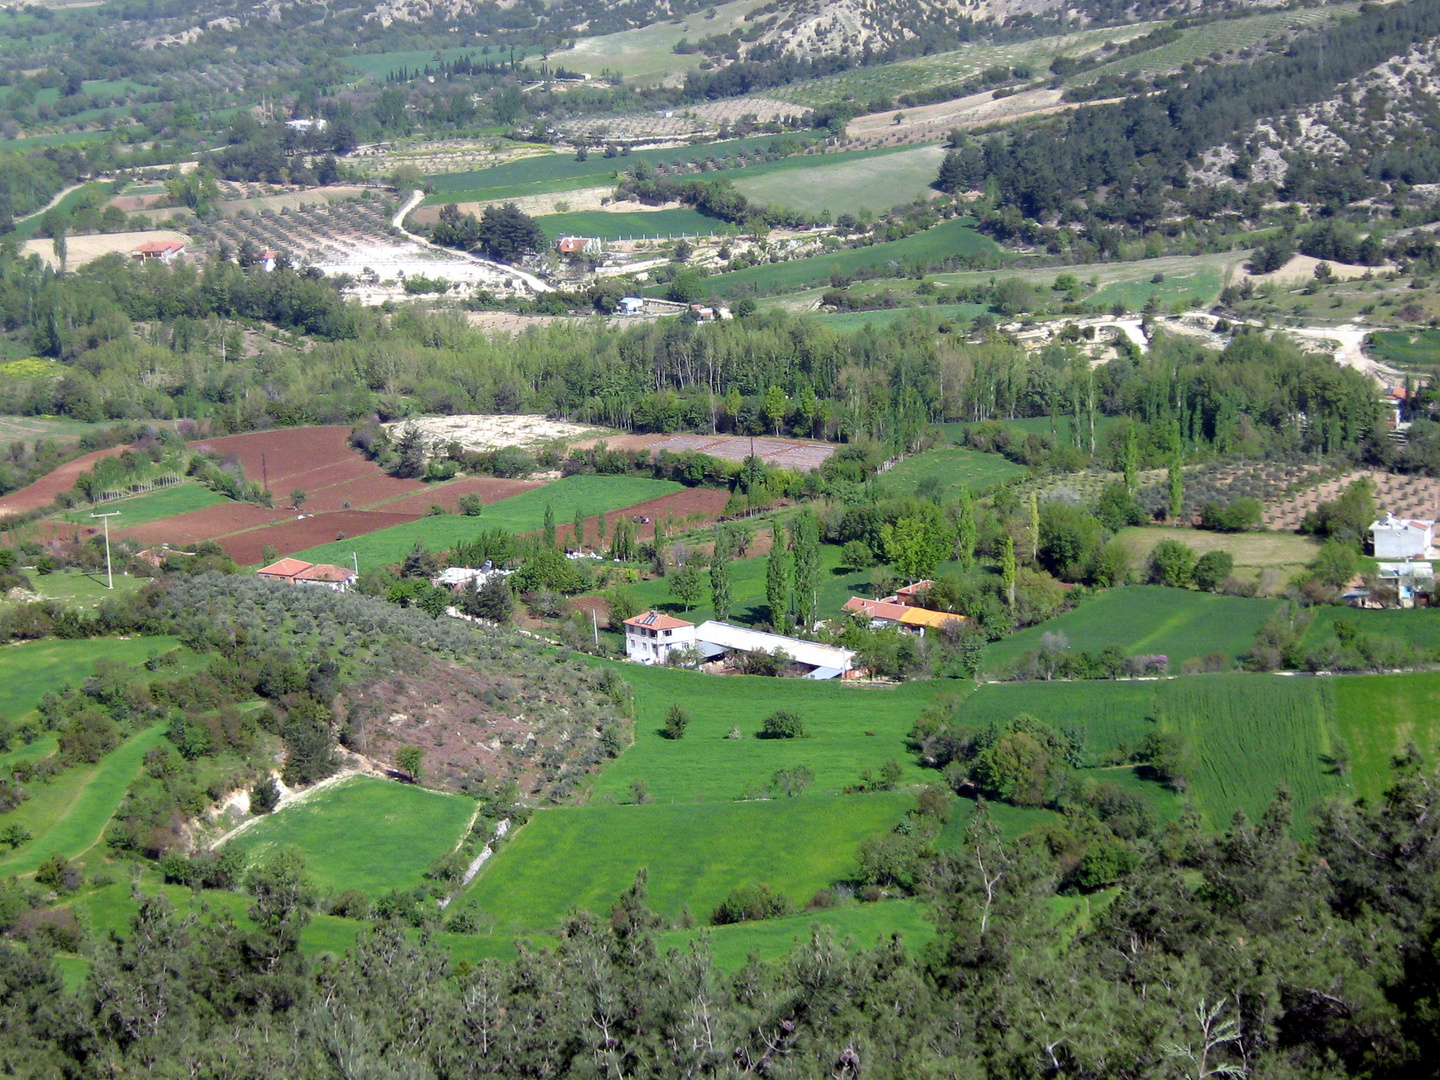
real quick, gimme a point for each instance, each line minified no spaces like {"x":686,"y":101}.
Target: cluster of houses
{"x":1404,"y":551}
{"x":299,"y":572}
{"x":653,"y":637}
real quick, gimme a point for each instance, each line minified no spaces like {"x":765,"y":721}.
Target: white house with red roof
{"x":650,"y":637}
{"x":299,"y":572}
{"x":165,"y":250}
{"x":1402,"y":538}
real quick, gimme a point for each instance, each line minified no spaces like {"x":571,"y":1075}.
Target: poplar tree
{"x":1132,"y":457}
{"x":549,"y":526}
{"x":720,"y":576}
{"x":1007,"y":569}
{"x":966,"y":531}
{"x":805,"y":547}
{"x":1177,"y":487}
{"x":777,"y":583}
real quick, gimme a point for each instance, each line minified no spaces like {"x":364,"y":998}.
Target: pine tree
{"x":777,"y":583}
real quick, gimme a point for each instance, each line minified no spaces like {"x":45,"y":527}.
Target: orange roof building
{"x":284,"y":570}
{"x":651,"y":637}
{"x":331,"y":577}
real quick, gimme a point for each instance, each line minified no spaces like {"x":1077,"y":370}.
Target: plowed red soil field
{"x":43,"y":491}
{"x":182,"y":530}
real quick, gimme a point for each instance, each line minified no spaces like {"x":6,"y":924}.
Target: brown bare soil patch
{"x":1401,"y":495}
{"x":43,"y":491}
{"x":207,"y":524}
{"x":691,"y":507}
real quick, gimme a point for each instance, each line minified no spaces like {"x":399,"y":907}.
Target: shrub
{"x":676,"y":721}
{"x":783,"y":724}
{"x":265,"y":795}
{"x":751,"y":902}
{"x":1238,"y":516}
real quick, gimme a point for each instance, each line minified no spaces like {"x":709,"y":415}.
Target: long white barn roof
{"x":805,"y":652}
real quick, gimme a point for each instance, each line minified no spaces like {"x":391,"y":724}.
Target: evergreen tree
{"x":577,"y":526}
{"x":1177,"y":487}
{"x":966,"y":530}
{"x":1132,"y":457}
{"x":549,"y":526}
{"x":720,"y":586}
{"x":805,"y":549}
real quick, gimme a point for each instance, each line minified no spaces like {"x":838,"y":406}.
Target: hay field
{"x":84,"y":250}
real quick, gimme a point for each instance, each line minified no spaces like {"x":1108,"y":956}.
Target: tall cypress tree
{"x":1007,"y":569}
{"x":720,"y":585}
{"x":805,"y":547}
{"x":966,"y":531}
{"x":777,"y":583}
{"x":549,"y":526}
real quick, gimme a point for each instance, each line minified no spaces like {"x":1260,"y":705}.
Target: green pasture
{"x":860,"y":926}
{"x":151,"y":506}
{"x":1282,"y":554}
{"x":29,"y":429}
{"x":1248,"y":734}
{"x":1196,"y":288}
{"x":842,"y":183}
{"x":58,"y":138}
{"x":590,"y":495}
{"x":626,"y":225}
{"x":569,"y":858}
{"x":364,"y":833}
{"x":1418,"y":626}
{"x":847,"y":322}
{"x":41,"y":747}
{"x":27,"y":228}
{"x":1179,"y":623}
{"x":542,"y":173}
{"x":1035,"y":425}
{"x":69,"y":813}
{"x":1010,"y":821}
{"x":31,"y":668}
{"x":83,"y":590}
{"x":1113,"y":715}
{"x":952,"y":238}
{"x":1406,"y":348}
{"x":848,"y":729}
{"x":945,"y":469}
{"x":747,"y":591}
{"x":1378,"y":717}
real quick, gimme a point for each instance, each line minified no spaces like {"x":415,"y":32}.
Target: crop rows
{"x":1404,"y":496}
{"x":310,"y":234}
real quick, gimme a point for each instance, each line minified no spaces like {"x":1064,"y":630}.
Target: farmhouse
{"x":300,"y":572}
{"x":1402,"y":538}
{"x":630,"y":305}
{"x":460,"y":577}
{"x":881,"y":613}
{"x":580,"y":245}
{"x":1410,"y":581}
{"x":903,"y":610}
{"x":650,"y":637}
{"x":165,"y":250}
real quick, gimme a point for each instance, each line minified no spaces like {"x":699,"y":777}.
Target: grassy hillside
{"x":847,"y":729}
{"x":584,"y":857}
{"x":590,"y":495}
{"x":945,"y":469}
{"x":1113,"y":714}
{"x":364,"y":833}
{"x":31,"y":668}
{"x":623,"y":225}
{"x":1178,"y":623}
{"x":842,"y":184}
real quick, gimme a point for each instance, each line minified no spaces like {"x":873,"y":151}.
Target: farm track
{"x":416,"y":198}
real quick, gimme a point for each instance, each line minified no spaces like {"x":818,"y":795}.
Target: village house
{"x":651,"y":637}
{"x":580,"y":245}
{"x":630,"y":305}
{"x":167,"y":251}
{"x":299,"y":572}
{"x":1402,"y":538}
{"x":903,"y":610}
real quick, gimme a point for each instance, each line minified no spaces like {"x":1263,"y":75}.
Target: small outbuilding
{"x":630,"y":305}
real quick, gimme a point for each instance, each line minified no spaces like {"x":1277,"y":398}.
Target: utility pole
{"x":109,"y":578}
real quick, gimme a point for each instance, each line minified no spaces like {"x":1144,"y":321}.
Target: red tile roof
{"x":286,"y":568}
{"x":323,"y":572}
{"x":157,"y":247}
{"x":655,"y":621}
{"x":876,"y":609}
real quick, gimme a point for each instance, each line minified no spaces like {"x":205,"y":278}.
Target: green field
{"x":1113,"y":714}
{"x":68,"y":814}
{"x":627,"y":225}
{"x":377,"y":67}
{"x":945,"y":469}
{"x":30,"y":428}
{"x":948,"y":239}
{"x":850,"y":183}
{"x":1178,"y":623}
{"x":1378,"y":716}
{"x":847,"y":322}
{"x":1403,"y":348}
{"x":29,"y":669}
{"x":364,"y":833}
{"x":543,"y":173}
{"x":522,"y":513}
{"x":1419,"y":626}
{"x":152,"y":506}
{"x":848,"y":728}
{"x":1281,"y":554}
{"x":1195,"y":288}
{"x":1035,"y":425}
{"x":647,"y":53}
{"x":1249,"y":734}
{"x":584,"y":857}
{"x":77,"y":588}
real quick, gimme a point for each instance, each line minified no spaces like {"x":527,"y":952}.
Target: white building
{"x":715,"y":639}
{"x":650,"y":637}
{"x":630,"y":305}
{"x":460,"y":577}
{"x":1402,"y":538}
